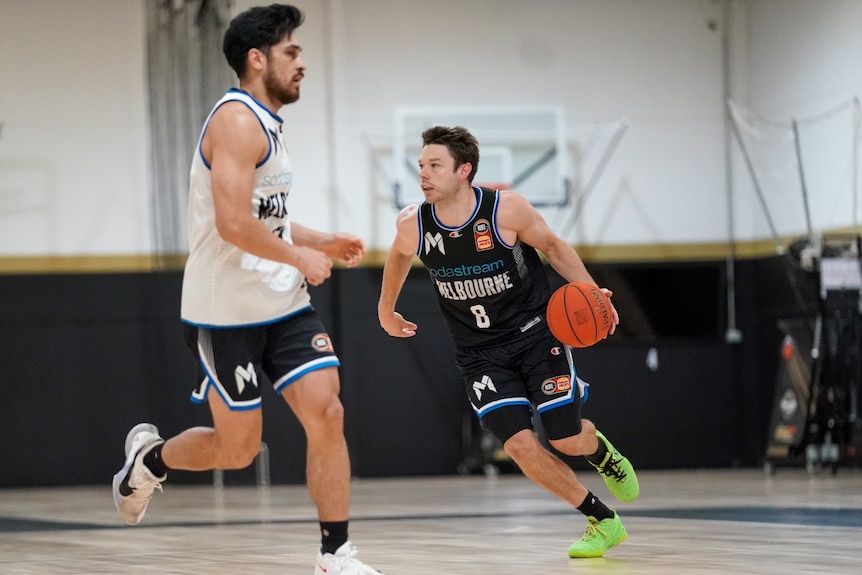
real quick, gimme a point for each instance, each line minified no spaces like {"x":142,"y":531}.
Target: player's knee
{"x":522,"y":446}
{"x":324,"y":419}
{"x":584,"y":443}
{"x":333,"y":412}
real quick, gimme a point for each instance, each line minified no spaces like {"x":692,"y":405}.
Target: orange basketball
{"x":579,"y":314}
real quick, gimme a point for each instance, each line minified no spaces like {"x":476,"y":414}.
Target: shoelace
{"x":612,"y":469}
{"x":147,"y":486}
{"x":146,"y":490}
{"x":592,"y":529}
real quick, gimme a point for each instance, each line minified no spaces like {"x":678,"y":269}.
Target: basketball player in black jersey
{"x":479,"y":247}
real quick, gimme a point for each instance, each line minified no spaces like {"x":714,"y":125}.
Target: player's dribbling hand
{"x":615,"y":317}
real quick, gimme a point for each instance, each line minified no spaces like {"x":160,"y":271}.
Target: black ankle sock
{"x":599,"y":456}
{"x":333,"y":535}
{"x":153,"y":461}
{"x":592,"y":506}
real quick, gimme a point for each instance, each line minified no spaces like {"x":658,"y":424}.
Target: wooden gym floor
{"x":704,"y":521}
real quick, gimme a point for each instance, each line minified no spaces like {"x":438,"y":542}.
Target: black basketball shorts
{"x":232,"y":360}
{"x":505,"y":383}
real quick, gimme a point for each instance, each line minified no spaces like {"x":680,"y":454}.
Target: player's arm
{"x":516,"y":214}
{"x":233,"y":144}
{"x":399,"y":260}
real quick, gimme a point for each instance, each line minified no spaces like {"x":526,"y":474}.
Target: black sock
{"x":599,"y":456}
{"x":333,"y":535}
{"x":593,"y":507}
{"x":153,"y":461}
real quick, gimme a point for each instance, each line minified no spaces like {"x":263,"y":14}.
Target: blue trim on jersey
{"x":468,"y":220}
{"x":494,"y":223}
{"x":258,"y":324}
{"x":421,"y":239}
{"x":256,"y":101}
{"x":265,"y":131}
{"x":502,"y":403}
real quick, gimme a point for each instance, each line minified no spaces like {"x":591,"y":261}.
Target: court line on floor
{"x":819,"y":516}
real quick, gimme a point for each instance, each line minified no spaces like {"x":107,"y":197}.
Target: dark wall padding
{"x":406,"y":397}
{"x":85,"y":357}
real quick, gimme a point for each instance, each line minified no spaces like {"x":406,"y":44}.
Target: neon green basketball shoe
{"x":618,"y":473}
{"x":599,"y":537}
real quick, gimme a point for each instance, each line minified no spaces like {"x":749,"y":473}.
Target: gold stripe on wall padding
{"x":634,"y":253}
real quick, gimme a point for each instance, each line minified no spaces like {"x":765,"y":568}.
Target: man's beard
{"x":283,"y":94}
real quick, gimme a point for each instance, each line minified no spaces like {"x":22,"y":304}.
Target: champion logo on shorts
{"x":321,"y":342}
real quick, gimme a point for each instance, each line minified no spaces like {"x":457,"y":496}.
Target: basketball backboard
{"x":523,"y":148}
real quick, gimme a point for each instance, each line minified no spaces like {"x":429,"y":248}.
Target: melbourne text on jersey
{"x":471,"y":288}
{"x":273,"y":206}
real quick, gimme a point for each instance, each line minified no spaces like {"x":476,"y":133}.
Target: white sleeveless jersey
{"x":223,"y":285}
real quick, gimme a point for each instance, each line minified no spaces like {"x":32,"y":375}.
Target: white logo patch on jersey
{"x":245,"y":375}
{"x":434,"y":241}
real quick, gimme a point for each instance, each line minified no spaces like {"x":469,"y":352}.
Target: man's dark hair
{"x":460,"y":143}
{"x":261,"y":27}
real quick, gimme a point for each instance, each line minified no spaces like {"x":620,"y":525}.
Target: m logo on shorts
{"x":245,"y":375}
{"x":480,"y":386}
{"x":321,"y":342}
{"x":556,"y":385}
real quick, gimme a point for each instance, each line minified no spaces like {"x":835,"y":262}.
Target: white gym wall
{"x":74,"y":136}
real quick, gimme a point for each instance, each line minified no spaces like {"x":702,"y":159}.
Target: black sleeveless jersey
{"x":489,"y":291}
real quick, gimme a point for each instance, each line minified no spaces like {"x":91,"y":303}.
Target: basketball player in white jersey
{"x":245,"y":303}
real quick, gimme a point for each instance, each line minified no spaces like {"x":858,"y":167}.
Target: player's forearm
{"x":303,"y":236}
{"x":395,"y":272}
{"x":255,"y":238}
{"x":568,"y":263}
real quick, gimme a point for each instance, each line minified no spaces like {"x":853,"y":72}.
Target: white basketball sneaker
{"x":342,"y":562}
{"x":134,"y":483}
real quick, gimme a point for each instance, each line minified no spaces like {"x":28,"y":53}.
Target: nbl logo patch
{"x":482,"y":235}
{"x":321,"y":342}
{"x":556,"y":385}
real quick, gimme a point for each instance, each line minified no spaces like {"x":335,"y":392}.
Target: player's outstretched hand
{"x":345,"y":247}
{"x":395,"y":325}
